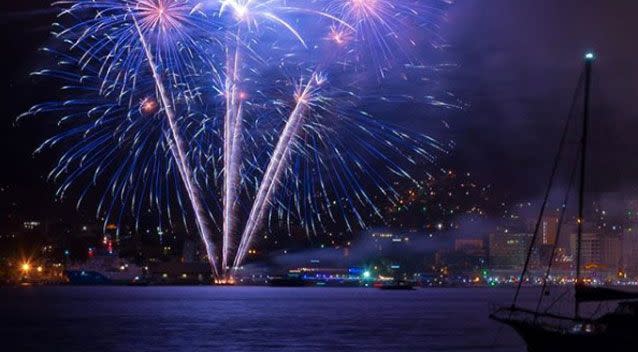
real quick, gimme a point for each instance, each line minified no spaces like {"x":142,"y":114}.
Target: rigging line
{"x":552,"y":177}
{"x":556,"y":301}
{"x":561,"y":220}
{"x":599,"y":308}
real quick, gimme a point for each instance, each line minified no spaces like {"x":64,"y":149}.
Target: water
{"x":251,"y":319}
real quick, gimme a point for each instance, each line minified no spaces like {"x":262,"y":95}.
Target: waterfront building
{"x":509,"y":250}
{"x":469,"y":245}
{"x":590,"y":252}
{"x":611,"y":251}
{"x":602,"y":251}
{"x":549,"y":230}
{"x":629,"y":250}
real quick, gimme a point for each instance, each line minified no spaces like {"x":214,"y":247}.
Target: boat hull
{"x":87,"y":277}
{"x":539,"y":338}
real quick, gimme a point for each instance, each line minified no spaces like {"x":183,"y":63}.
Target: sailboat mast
{"x":589,"y":58}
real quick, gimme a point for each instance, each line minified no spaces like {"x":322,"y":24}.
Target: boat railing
{"x":530,"y":317}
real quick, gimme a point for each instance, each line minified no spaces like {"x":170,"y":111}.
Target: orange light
{"x":149,"y":106}
{"x":226,"y":281}
{"x":26,"y":267}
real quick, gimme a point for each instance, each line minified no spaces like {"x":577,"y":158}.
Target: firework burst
{"x":246,"y":112}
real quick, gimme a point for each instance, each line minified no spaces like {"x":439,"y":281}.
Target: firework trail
{"x":179,"y":152}
{"x":232,"y":152}
{"x":276,"y":166}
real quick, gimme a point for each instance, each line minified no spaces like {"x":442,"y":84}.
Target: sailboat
{"x":544,"y":331}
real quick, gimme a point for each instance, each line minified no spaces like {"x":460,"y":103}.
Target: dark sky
{"x":520,"y":62}
{"x":518,"y":66}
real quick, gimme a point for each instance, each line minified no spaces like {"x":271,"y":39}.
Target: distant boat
{"x":396,"y":285}
{"x":87,"y":277}
{"x":288,"y":282}
{"x":104,"y":269}
{"x":543,"y":331}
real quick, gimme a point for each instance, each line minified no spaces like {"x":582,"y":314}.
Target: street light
{"x":26,"y":267}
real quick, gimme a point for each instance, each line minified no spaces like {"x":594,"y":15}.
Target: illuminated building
{"x":385,"y":240}
{"x":549,"y":230}
{"x":589,"y":248}
{"x":629,"y":250}
{"x":175,"y":272}
{"x":598,"y":250}
{"x":611,"y":251}
{"x":31,"y":225}
{"x":509,"y":250}
{"x":469,"y":245}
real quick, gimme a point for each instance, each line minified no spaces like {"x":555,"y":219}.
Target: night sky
{"x":518,"y":64}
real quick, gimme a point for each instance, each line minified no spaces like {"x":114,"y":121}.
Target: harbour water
{"x":252,"y":319}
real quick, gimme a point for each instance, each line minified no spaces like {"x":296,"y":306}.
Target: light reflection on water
{"x":253,"y":319}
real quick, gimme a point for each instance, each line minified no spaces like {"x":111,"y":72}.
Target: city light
{"x":26,"y":267}
{"x":230,"y":281}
